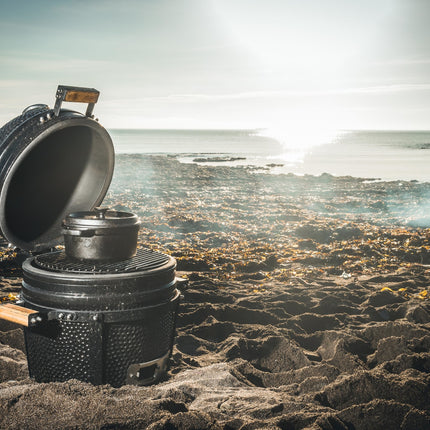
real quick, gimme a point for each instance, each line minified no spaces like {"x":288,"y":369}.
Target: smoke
{"x":411,"y":204}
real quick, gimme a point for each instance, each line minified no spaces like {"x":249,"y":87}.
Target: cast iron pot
{"x":52,"y":162}
{"x":101,"y":235}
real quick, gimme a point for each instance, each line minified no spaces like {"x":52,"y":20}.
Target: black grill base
{"x":103,"y":351}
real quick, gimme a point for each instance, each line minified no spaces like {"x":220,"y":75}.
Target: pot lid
{"x":100,"y":218}
{"x":53,"y":162}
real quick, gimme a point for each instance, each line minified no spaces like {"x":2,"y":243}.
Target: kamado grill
{"x":100,"y":311}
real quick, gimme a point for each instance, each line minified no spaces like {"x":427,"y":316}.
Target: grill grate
{"x":144,"y":260}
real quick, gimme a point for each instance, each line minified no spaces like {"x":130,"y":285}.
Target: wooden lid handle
{"x":67,"y":93}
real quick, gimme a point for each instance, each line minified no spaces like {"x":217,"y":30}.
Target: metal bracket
{"x":147,"y":373}
{"x":75,"y":316}
{"x":35,"y":319}
{"x":77,"y":95}
{"x":113,"y":316}
{"x":182,"y":282}
{"x":35,"y":106}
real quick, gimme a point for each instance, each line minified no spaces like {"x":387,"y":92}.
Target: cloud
{"x":190,"y":98}
{"x":51,"y":63}
{"x":395,"y":88}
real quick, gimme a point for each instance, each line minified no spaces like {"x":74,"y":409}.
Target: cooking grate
{"x":144,"y":260}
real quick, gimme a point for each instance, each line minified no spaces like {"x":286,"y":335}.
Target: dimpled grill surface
{"x":137,"y":342}
{"x":60,"y":351}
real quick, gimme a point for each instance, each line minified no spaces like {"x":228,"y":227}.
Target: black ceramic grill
{"x":98,"y":311}
{"x":102,"y":323}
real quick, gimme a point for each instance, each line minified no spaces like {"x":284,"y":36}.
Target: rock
{"x":307,"y":244}
{"x":314,"y":232}
{"x":347,"y":233}
{"x":196,"y":265}
{"x":271,"y":262}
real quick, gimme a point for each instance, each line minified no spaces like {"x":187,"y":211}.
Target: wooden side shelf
{"x":16,"y":314}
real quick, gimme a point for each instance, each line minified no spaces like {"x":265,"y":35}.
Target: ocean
{"x":380,"y":155}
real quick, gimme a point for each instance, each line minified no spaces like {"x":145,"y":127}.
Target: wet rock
{"x":271,"y":262}
{"x":346,"y":233}
{"x":196,"y":265}
{"x":314,"y":232}
{"x":258,"y":276}
{"x":251,"y":266}
{"x":307,"y":244}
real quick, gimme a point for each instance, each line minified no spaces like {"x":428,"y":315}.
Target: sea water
{"x":385,"y":155}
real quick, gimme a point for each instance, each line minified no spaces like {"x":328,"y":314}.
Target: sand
{"x":307,"y":306}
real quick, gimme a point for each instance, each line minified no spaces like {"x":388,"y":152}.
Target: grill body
{"x":105,"y":323}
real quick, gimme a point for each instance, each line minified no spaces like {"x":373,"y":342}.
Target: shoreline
{"x":223,"y":159}
{"x":389,"y":155}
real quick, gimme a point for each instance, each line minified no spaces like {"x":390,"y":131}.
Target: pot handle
{"x":80,"y":233}
{"x":77,"y":95}
{"x":19,"y":315}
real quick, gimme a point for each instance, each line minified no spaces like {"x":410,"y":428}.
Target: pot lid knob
{"x":101,"y":212}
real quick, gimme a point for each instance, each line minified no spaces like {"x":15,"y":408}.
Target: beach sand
{"x":307,"y":307}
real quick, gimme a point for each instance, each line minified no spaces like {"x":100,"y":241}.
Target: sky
{"x":246,"y":64}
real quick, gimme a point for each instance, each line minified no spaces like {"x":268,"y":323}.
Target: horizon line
{"x":259,"y":129}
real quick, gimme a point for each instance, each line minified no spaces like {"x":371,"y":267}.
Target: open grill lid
{"x":52,"y":162}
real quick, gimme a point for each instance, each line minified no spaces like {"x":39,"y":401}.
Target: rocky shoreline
{"x":307,"y":307}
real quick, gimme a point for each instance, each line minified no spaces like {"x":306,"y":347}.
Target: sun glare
{"x":298,"y":141}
